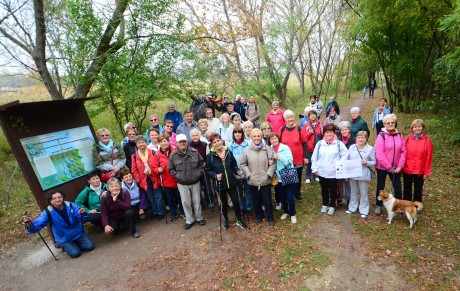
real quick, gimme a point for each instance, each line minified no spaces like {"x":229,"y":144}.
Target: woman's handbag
{"x":373,"y":174}
{"x":289,"y":176}
{"x":274,"y":180}
{"x":106,"y":175}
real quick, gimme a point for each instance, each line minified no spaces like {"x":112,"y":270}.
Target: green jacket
{"x":358,"y":125}
{"x":88,"y":199}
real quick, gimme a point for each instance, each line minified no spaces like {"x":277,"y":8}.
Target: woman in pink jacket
{"x":390,"y":153}
{"x":419,"y":159}
{"x":276,"y":117}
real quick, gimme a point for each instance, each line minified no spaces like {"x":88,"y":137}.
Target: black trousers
{"x":329,"y":191}
{"x":129,"y":218}
{"x":299,"y":185}
{"x":95,"y":218}
{"x":232,"y":192}
{"x":277,"y":189}
{"x":381,"y":179}
{"x":417,"y":181}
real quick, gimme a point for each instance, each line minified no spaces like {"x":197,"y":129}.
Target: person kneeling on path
{"x":65,"y":220}
{"x":90,"y":198}
{"x":116,"y":209}
{"x":186,"y":166}
{"x":222,"y":167}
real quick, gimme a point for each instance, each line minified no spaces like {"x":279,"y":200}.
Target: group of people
{"x":186,"y":164}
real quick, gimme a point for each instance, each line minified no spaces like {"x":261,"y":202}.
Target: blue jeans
{"x":74,"y":248}
{"x":249,"y":198}
{"x":263,"y":196}
{"x":308,"y":171}
{"x":245,"y":200}
{"x":287,"y":199}
{"x":173,"y":198}
{"x":155,"y":198}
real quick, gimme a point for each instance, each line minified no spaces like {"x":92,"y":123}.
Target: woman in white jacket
{"x":364,"y":152}
{"x":328,"y":151}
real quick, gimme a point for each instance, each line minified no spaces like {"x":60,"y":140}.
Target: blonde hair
{"x":362,"y":133}
{"x":256,"y":130}
{"x":202,"y":120}
{"x":101,"y":130}
{"x":417,"y":122}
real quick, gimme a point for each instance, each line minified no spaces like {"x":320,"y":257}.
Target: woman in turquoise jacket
{"x":283,"y":156}
{"x":89,"y":198}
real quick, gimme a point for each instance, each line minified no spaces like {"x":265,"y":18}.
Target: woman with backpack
{"x":390,"y":152}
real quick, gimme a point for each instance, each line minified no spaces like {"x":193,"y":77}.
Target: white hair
{"x":344,"y":124}
{"x":169,"y":104}
{"x":125,"y":127}
{"x":332,"y":98}
{"x":288,"y":113}
{"x":389,"y":116}
{"x":248,"y":122}
{"x":195,"y":131}
{"x":355,"y":110}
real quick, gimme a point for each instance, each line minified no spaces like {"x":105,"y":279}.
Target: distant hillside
{"x":17,"y":81}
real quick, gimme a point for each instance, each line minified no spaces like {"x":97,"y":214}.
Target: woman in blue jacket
{"x":283,"y":156}
{"x":66,"y":222}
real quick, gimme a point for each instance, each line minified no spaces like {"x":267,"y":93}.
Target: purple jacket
{"x":390,"y":151}
{"x":117,"y":209}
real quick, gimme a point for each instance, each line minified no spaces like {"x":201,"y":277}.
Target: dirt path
{"x":351,"y":269}
{"x":168,"y":257}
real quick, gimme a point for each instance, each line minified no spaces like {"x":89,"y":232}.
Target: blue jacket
{"x":286,"y":159}
{"x":176,"y":117}
{"x":237,"y":150}
{"x":61,"y":230}
{"x":386,"y":110}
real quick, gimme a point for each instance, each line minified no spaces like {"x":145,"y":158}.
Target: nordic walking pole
{"x":164,"y":196}
{"x":220,"y":203}
{"x":39,"y":234}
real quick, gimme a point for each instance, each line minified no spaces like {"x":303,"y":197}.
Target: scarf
{"x":417,"y":137}
{"x":346,"y":139}
{"x":98,"y":189}
{"x":108,"y":147}
{"x":276,"y":148}
{"x":145,"y":157}
{"x":238,"y":142}
{"x":261,"y":145}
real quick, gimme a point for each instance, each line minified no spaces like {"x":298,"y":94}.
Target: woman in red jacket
{"x":314,"y":133}
{"x":419,"y":159}
{"x":167,"y":182}
{"x":142,"y":164}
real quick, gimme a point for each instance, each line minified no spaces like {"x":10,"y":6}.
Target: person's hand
{"x":347,"y":179}
{"x":270,"y":162}
{"x":364,"y":162}
{"x":115,"y":170}
{"x":310,"y":129}
{"x":26,"y":219}
{"x":239,"y":173}
{"x":397,"y":170}
{"x":275,"y":156}
{"x":81,"y":210}
{"x":108,"y":229}
{"x":141,"y":211}
{"x":425,"y":177}
{"x":93,"y":211}
{"x":305,"y":161}
{"x":160,"y":170}
{"x":219,"y":177}
{"x":316,"y":174}
{"x":114,"y":197}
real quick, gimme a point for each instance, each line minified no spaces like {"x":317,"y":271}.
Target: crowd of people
{"x":194,"y":160}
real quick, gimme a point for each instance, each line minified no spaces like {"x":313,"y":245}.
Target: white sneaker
{"x":263,"y":208}
{"x":324,"y":209}
{"x":293,"y":219}
{"x":317,"y":179}
{"x":284,"y":216}
{"x":331,"y":211}
{"x":278,"y":206}
{"x":348,"y":212}
{"x":308,"y":181}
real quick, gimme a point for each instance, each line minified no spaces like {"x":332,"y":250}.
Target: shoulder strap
{"x":338,"y":145}
{"x":282,"y":130}
{"x":359,"y":153}
{"x":382,"y":135}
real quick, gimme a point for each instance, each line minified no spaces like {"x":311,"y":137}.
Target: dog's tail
{"x":418,"y":205}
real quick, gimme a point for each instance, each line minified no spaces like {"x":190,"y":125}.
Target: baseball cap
{"x":181,"y":137}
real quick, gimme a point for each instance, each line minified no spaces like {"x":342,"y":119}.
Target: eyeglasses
{"x":390,"y":122}
{"x":170,"y":126}
{"x":57,"y":198}
{"x":267,"y":128}
{"x":104,"y":135}
{"x":153,"y":119}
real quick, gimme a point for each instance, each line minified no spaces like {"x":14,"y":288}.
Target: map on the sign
{"x":62,"y":156}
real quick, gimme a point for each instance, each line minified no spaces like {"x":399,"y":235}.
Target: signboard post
{"x":52,"y":142}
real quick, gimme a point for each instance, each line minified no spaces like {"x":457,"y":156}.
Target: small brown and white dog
{"x":394,"y":205}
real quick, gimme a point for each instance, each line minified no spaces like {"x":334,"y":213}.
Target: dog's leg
{"x":390,"y":216}
{"x":415,"y":219}
{"x":410,"y":219}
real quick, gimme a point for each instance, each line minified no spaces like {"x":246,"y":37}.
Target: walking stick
{"x":221,"y":211}
{"x":39,"y":234}
{"x":164,"y":195}
{"x":244,"y":203}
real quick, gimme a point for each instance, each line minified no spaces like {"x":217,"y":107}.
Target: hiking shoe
{"x":173,"y":218}
{"x":348,"y":212}
{"x":363,"y":216}
{"x":293,"y":219}
{"x":378,"y":210}
{"x":298,"y":197}
{"x":331,"y":211}
{"x":284,"y":216}
{"x":271,"y":223}
{"x":211,"y":205}
{"x":202,"y":222}
{"x":317,"y":179}
{"x":188,"y":225}
{"x":324,"y":209}
{"x":167,"y":207}
{"x":308,"y":181}
{"x":226,"y":224}
{"x":142,"y":216}
{"x":136,"y":234}
{"x":241,"y":224}
{"x":278,"y":206}
{"x":258,"y":220}
{"x":183,"y":216}
{"x":263,"y":208}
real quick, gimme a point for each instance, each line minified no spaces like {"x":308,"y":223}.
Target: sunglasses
{"x":267,"y":128}
{"x":153,"y":119}
{"x":104,"y":135}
